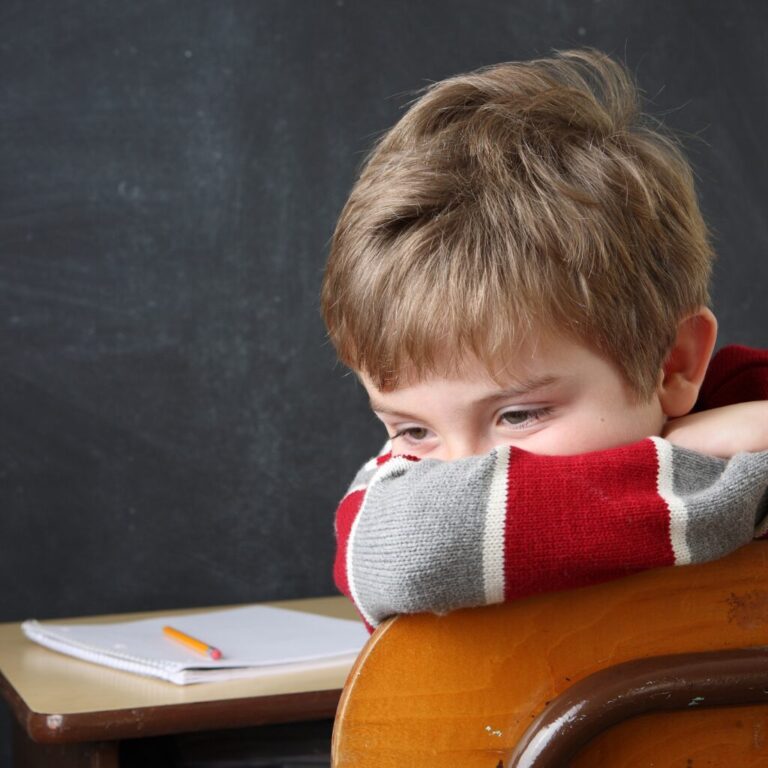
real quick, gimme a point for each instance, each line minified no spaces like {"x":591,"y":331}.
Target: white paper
{"x":253,"y":640}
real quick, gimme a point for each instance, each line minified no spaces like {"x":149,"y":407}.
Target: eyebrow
{"x":523,"y":388}
{"x":517,"y":390}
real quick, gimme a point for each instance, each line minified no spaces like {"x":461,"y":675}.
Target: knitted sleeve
{"x":736,"y":374}
{"x":425,"y":535}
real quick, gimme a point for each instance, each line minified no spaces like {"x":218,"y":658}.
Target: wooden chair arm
{"x":623,"y":691}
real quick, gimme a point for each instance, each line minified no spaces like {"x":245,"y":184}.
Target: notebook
{"x":254,"y":641}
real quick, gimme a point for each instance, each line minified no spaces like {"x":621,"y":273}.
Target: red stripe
{"x":345,"y":517}
{"x":577,"y":520}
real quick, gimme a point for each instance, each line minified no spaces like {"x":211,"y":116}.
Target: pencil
{"x":192,"y":642}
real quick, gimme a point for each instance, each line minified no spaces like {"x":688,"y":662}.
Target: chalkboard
{"x":175,"y":431}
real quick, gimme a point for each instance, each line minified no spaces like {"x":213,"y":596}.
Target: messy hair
{"x":521,"y":197}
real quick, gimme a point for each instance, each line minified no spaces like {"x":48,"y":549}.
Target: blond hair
{"x":518,"y":197}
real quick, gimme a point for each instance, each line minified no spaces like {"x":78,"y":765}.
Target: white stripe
{"x":678,"y":512}
{"x":391,"y":467}
{"x":493,"y":534}
{"x":386,"y":448}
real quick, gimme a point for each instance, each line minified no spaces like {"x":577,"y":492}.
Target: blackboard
{"x":175,"y":431}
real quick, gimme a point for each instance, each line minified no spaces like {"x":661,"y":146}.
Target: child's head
{"x":511,"y":209}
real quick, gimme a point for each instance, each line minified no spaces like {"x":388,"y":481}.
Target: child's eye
{"x":412,"y":434}
{"x":524,"y":418}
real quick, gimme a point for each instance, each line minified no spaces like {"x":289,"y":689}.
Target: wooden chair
{"x":663,"y":668}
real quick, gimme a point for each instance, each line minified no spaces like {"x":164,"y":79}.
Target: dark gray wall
{"x":174,"y":431}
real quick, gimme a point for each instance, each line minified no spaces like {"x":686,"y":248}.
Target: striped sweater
{"x":425,"y":535}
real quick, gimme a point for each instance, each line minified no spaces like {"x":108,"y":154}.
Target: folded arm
{"x":723,"y":431}
{"x":434,"y":536}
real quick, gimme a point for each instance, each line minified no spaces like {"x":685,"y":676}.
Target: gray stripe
{"x":693,"y":472}
{"x":722,"y":499}
{"x":418,"y":542}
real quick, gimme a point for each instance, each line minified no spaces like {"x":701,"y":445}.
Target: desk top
{"x":57,"y":698}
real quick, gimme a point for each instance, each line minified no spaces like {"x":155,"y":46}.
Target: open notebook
{"x":254,"y":641}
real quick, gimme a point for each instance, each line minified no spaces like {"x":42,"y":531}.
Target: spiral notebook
{"x":254,"y":641}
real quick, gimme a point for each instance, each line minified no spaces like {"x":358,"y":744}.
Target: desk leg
{"x":30,"y":754}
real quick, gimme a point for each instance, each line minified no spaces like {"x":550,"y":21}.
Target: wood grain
{"x":464,"y":687}
{"x":734,"y":738}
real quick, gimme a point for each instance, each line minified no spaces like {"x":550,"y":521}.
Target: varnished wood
{"x":464,"y":687}
{"x":734,"y":737}
{"x":173,"y":718}
{"x":676,"y":682}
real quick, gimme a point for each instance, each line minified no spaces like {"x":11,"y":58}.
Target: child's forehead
{"x":533,"y":363}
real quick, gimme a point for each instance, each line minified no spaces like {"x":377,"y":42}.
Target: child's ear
{"x":686,"y":363}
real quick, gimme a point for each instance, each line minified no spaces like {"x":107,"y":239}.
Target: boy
{"x":520,"y":280}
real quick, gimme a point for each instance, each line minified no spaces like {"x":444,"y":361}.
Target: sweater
{"x":432,"y":536}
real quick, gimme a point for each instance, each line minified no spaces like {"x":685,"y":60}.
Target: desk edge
{"x":51,"y":728}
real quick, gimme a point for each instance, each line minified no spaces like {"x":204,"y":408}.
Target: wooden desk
{"x":72,"y":712}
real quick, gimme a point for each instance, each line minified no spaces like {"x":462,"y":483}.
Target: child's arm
{"x":432,"y":536}
{"x":435,"y":536}
{"x":723,"y":431}
{"x":731,"y":414}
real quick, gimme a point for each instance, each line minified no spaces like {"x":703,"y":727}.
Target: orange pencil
{"x":191,"y":642}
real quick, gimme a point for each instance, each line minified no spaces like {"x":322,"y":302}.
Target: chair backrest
{"x":478,"y":687}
